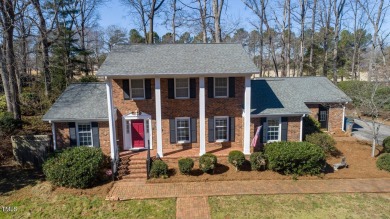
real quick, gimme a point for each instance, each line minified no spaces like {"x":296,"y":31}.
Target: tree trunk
{"x":302,"y":49}
{"x":313,"y":26}
{"x":174,"y":21}
{"x":217,"y":9}
{"x":325,"y":42}
{"x":338,"y":9}
{"x":5,"y":77}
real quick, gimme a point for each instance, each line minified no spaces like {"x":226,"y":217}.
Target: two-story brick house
{"x":177,"y":96}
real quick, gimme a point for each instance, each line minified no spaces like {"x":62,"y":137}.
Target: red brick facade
{"x":335,"y":115}
{"x":293,"y":128}
{"x":63,"y":140}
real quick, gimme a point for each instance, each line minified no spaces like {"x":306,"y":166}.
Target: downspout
{"x":53,"y":131}
{"x":343,"y":119}
{"x":301,"y":127}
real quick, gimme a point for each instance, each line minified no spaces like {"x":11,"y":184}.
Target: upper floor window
{"x":84,"y":134}
{"x":137,"y":89}
{"x":182,"y":88}
{"x":221,"y":87}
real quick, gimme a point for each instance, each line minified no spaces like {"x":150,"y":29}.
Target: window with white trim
{"x":273,"y":129}
{"x":221,"y":126}
{"x":137,"y":89}
{"x":183,"y":130}
{"x":84,"y":132}
{"x":182,"y":88}
{"x":221,"y":87}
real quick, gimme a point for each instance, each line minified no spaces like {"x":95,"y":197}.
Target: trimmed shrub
{"x":386,"y":145}
{"x":258,"y":161}
{"x":383,"y":162}
{"x":236,"y":158}
{"x":77,"y":167}
{"x":310,"y":126}
{"x":325,"y":141}
{"x":159,"y":169}
{"x":298,"y":158}
{"x":186,"y":165}
{"x":207,"y":162}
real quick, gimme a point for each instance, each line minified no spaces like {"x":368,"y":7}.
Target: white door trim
{"x":126,"y":119}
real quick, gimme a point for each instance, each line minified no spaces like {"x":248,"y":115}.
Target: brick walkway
{"x":192,"y":207}
{"x":124,"y":190}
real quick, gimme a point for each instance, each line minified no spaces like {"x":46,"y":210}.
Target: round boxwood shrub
{"x":159,"y":169}
{"x":298,"y":158}
{"x":325,"y":141}
{"x":77,"y":167}
{"x":236,"y":158}
{"x":207,"y":162}
{"x":258,"y":161}
{"x":383,"y":162}
{"x":386,"y":145}
{"x":186,"y":165}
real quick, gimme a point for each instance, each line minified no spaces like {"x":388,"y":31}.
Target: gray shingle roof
{"x":177,"y":59}
{"x":81,"y":101}
{"x":288,"y":95}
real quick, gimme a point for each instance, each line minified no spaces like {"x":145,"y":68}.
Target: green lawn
{"x":302,"y":206}
{"x":80,"y":206}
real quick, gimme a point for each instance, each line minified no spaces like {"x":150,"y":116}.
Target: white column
{"x":343,"y":119}
{"x":111,"y":122}
{"x":53,"y":130}
{"x":301,"y":128}
{"x":247,"y":115}
{"x":150,"y":133}
{"x":158,"y":117}
{"x":202,"y":115}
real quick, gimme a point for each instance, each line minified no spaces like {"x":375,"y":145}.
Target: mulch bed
{"x":357,"y":154}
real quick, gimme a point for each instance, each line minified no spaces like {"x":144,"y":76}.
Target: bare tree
{"x":338,"y":7}
{"x":312,"y":33}
{"x":155,"y":5}
{"x":325,"y":17}
{"x":302,"y":5}
{"x":217,"y":10}
{"x":139,"y":7}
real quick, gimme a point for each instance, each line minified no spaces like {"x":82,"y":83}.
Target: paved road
{"x":363,"y":130}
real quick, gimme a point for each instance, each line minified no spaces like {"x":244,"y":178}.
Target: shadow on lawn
{"x":15,"y":178}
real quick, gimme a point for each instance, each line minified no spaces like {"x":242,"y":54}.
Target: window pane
{"x":137,"y":88}
{"x":182,"y":87}
{"x":221,"y":129}
{"x":221,"y":87}
{"x":182,"y":82}
{"x":138,"y":83}
{"x":183,"y":129}
{"x":273,"y":130}
{"x":85,"y":134}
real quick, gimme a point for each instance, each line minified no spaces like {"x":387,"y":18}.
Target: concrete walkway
{"x":124,"y":190}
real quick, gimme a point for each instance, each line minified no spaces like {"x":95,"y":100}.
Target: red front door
{"x":137,"y":133}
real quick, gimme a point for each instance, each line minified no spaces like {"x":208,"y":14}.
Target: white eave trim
{"x":167,"y":75}
{"x":270,"y":115}
{"x":75,"y":120}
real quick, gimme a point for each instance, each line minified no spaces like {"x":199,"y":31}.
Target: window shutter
{"x":263,"y":131}
{"x":148,"y":89}
{"x":232,"y":133}
{"x":171,"y":88}
{"x":193,"y":130}
{"x":172,"y":131}
{"x":211,"y":129}
{"x":126,"y":89}
{"x":284,"y":128}
{"x":210,"y":87}
{"x":232,"y":87}
{"x":72,"y":133}
{"x":95,"y":134}
{"x":192,"y":88}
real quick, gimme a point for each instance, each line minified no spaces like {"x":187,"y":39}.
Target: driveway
{"x":363,"y":130}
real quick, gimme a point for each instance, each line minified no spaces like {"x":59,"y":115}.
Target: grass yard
{"x":302,"y":206}
{"x":40,"y":201}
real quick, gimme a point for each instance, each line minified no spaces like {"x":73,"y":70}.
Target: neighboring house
{"x":177,"y":96}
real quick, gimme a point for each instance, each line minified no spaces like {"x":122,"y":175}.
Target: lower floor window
{"x":221,"y":128}
{"x":84,"y":134}
{"x":273,"y":132}
{"x":183,"y":130}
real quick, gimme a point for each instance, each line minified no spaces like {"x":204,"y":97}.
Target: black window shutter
{"x":148,"y":89}
{"x":232,"y":87}
{"x":232,"y":133}
{"x":95,"y":134}
{"x":171,"y":88}
{"x":192,"y":88}
{"x":193,"y":130}
{"x":172,"y":131}
{"x":211,"y":129}
{"x":263,"y":131}
{"x":72,"y":133}
{"x":210,"y":87}
{"x":126,"y":89}
{"x":284,"y":129}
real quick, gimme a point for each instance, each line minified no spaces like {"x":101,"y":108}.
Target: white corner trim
{"x":247,"y":113}
{"x":343,"y":119}
{"x":301,"y":129}
{"x":150,"y":133}
{"x":202,"y":116}
{"x":53,"y":130}
{"x":158,"y":117}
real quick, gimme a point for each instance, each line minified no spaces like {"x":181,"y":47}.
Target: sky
{"x":115,"y":13}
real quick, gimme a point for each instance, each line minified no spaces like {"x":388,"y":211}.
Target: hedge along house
{"x":177,"y":96}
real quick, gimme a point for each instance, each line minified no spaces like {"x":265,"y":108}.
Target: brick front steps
{"x":131,"y":167}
